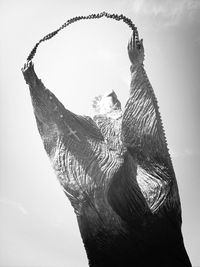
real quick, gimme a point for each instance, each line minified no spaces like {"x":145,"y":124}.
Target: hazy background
{"x":37,"y":225}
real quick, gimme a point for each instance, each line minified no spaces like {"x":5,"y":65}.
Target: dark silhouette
{"x":116,"y":171}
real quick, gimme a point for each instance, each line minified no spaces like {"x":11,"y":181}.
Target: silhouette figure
{"x":116,"y":170}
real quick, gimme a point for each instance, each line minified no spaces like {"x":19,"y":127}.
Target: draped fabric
{"x":116,"y":171}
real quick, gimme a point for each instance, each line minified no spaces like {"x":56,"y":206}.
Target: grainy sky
{"x":37,"y":226}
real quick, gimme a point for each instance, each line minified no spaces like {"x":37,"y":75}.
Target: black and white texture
{"x":116,"y":170}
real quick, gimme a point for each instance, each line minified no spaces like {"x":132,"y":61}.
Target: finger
{"x":141,"y":44}
{"x":138,"y":45}
{"x":129,"y":44}
{"x":133,"y":40}
{"x":136,"y":35}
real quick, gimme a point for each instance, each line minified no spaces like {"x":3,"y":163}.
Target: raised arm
{"x":143,"y":135}
{"x":52,"y":118}
{"x":141,"y":126}
{"x":71,"y":141}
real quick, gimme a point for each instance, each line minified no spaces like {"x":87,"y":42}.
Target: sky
{"x":38,"y":226}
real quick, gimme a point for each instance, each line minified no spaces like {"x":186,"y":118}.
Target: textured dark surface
{"x":116,"y":171}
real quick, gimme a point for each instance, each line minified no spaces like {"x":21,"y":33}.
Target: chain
{"x":92,"y":16}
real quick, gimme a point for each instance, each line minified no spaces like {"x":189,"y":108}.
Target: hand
{"x":136,"y":51}
{"x":29,"y":73}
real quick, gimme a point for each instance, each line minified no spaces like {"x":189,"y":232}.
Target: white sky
{"x":38,"y":227}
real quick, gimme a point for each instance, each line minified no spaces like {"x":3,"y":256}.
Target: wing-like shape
{"x":141,"y":125}
{"x":74,"y":143}
{"x":143,"y":135}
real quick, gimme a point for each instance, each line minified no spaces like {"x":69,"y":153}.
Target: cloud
{"x":15,"y":205}
{"x":172,"y":12}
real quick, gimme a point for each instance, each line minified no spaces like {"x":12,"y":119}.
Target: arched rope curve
{"x":77,"y":18}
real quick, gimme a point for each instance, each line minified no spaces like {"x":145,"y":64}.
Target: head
{"x":107,"y":103}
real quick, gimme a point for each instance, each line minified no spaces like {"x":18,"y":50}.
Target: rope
{"x":74,"y":19}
